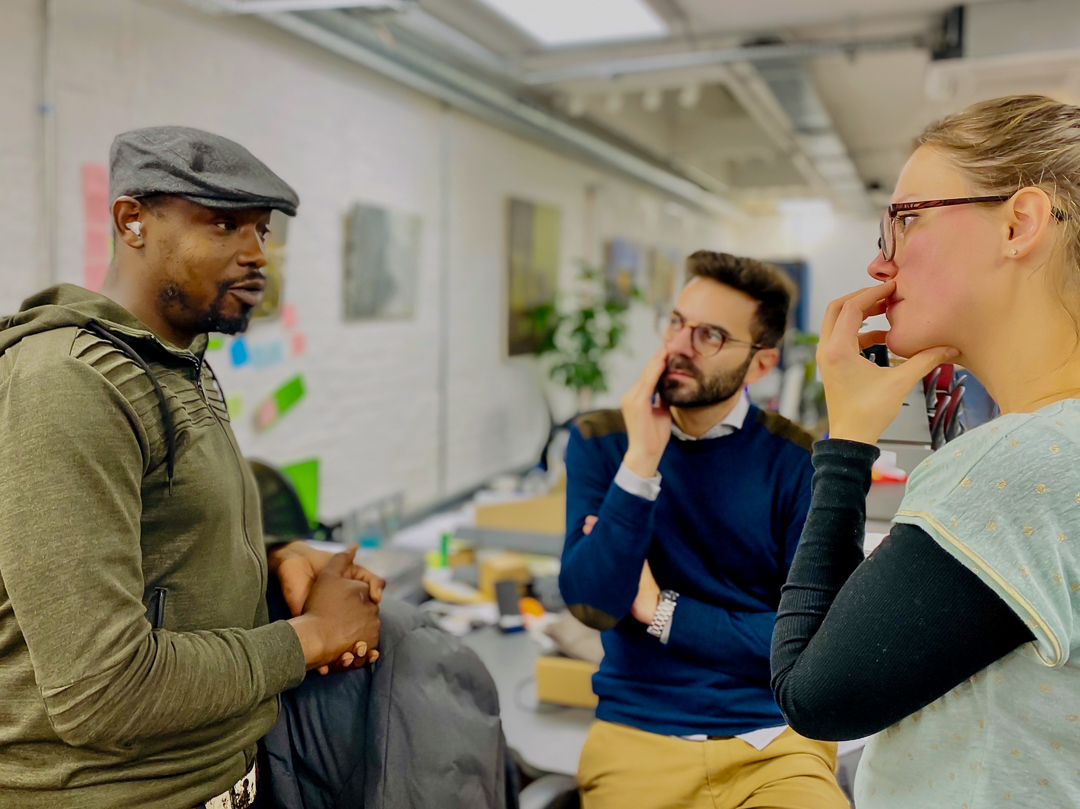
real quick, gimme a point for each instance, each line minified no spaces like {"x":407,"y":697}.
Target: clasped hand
{"x":298,"y":566}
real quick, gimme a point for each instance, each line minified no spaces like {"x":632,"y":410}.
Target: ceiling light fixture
{"x":690,"y":95}
{"x":282,"y":6}
{"x":572,"y":22}
{"x":652,"y":99}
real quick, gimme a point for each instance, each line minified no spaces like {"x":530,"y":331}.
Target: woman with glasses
{"x":956,"y":642}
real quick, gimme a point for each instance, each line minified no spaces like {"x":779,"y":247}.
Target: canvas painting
{"x":382,"y":263}
{"x":533,"y":264}
{"x":623,"y":270}
{"x":664,"y":269}
{"x":274,"y":246}
{"x":799,"y":271}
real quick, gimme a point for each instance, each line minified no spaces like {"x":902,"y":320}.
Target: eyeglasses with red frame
{"x":887,"y":241}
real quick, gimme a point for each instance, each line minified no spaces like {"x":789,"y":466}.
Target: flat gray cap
{"x":205,"y":168}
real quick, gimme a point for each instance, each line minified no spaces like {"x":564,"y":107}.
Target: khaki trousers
{"x":625,"y":768}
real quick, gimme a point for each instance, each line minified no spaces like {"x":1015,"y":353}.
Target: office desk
{"x":520,"y":541}
{"x":548,"y":737}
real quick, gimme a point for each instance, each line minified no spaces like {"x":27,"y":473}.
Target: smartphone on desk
{"x":506,"y":596}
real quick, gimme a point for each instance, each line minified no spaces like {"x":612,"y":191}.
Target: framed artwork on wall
{"x":799,"y":272}
{"x":664,"y":273}
{"x":533,"y":250}
{"x":623,"y":270}
{"x":274,"y":246}
{"x":382,"y":263}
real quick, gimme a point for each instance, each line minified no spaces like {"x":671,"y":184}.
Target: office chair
{"x":283,"y":514}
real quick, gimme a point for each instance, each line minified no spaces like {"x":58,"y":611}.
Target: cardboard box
{"x":538,"y":515}
{"x":501,"y":567}
{"x":565,"y":681}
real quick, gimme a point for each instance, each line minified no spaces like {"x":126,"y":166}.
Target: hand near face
{"x":862,"y":397}
{"x":648,"y":425}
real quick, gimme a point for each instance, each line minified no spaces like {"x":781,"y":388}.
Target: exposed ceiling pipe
{"x":351,"y":38}
{"x":688,"y":59}
{"x":281,"y":6}
{"x":813,"y":146}
{"x":783,"y":98}
{"x":418,"y":22}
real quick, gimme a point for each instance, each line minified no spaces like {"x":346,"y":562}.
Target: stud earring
{"x":1013,"y":252}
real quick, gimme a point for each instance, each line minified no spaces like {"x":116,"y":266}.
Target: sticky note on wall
{"x":280,"y":402}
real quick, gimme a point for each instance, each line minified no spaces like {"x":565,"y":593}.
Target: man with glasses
{"x":683,"y":513}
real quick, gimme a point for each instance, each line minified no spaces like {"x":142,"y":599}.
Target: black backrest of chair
{"x":282,"y":512}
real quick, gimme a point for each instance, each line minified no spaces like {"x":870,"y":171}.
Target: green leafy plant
{"x":802,"y":347}
{"x":579,"y":332}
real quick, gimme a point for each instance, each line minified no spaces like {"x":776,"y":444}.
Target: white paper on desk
{"x":871,"y":541}
{"x":486,"y":497}
{"x":426,"y":535}
{"x":460,"y":619}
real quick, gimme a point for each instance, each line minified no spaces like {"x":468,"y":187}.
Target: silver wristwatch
{"x":665,"y":608}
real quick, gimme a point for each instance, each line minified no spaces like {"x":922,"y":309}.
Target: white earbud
{"x":135,"y":227}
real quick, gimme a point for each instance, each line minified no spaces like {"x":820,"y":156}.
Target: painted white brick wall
{"x":339,"y":134}
{"x":21,"y":264}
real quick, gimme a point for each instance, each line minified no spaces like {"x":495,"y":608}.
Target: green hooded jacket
{"x":137,"y":664}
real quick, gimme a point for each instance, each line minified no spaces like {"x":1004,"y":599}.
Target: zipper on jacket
{"x":260,"y":559}
{"x":155,"y":613}
{"x":198,"y":379}
{"x":238,"y":458}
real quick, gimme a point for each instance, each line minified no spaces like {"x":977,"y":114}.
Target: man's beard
{"x":213,"y":319}
{"x":709,"y":391}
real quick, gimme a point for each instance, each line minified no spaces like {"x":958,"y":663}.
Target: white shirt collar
{"x":730,"y":423}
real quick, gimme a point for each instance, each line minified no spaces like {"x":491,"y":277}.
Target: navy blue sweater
{"x":722,"y":534}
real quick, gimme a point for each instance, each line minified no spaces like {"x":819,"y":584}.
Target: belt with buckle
{"x":240,"y":796}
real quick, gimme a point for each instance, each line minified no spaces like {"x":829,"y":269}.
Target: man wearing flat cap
{"x":139,"y":665}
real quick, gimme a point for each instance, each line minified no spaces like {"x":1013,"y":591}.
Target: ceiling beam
{"x":351,"y":38}
{"x":279,"y":6}
{"x":798,"y":51}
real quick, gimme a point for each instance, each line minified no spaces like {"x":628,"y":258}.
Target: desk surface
{"x":548,"y":737}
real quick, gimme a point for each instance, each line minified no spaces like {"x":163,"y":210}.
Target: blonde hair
{"x":1015,"y":142}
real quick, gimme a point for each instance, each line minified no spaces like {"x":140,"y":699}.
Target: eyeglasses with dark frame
{"x":887,"y":240}
{"x":707,"y":340}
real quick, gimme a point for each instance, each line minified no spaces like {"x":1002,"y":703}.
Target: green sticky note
{"x":214,"y":344}
{"x":289,"y":394}
{"x":274,"y":406}
{"x":304,"y":476}
{"x":234,"y":403}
